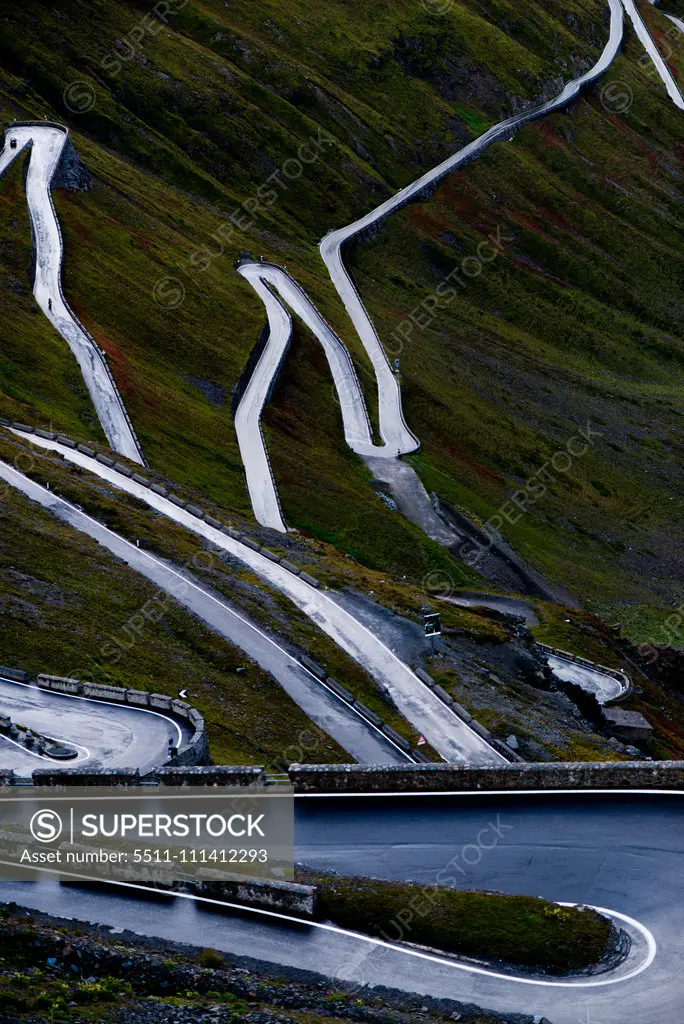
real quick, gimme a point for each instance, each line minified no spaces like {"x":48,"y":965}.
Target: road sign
{"x":432,"y":624}
{"x":421,"y":741}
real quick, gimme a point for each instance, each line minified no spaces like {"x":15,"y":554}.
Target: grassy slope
{"x":518,"y":929}
{"x":578,"y":320}
{"x":214,"y":103}
{"x":208,"y":109}
{"x":224,"y":575}
{"x":64,"y":598}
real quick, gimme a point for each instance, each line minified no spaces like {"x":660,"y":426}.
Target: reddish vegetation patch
{"x":527,"y":264}
{"x":551,"y":216}
{"x":550,"y":134}
{"x":428,"y":224}
{"x":526,"y":222}
{"x":118,"y":364}
{"x":663,"y":41}
{"x":143,"y":242}
{"x":624,"y":129}
{"x":456,"y":191}
{"x":482,"y":471}
{"x":110,"y":348}
{"x":461,"y":454}
{"x":68,"y":215}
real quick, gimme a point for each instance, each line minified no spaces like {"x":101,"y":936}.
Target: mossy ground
{"x":53,"y":971}
{"x":521,"y":930}
{"x":64,"y":599}
{"x":577,"y":319}
{"x":186,"y":128}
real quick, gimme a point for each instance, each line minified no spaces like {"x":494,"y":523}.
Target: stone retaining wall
{"x":411,"y":778}
{"x":239,"y":775}
{"x":195,"y":752}
{"x":287,"y":897}
{"x":202,"y":775}
{"x":352,"y":778}
{"x":86,"y":777}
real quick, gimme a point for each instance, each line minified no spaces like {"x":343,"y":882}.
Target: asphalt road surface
{"x":447,"y":733}
{"x":107,"y":735}
{"x":362,"y":740}
{"x":621,"y":852}
{"x":604,"y":687}
{"x":277,"y":290}
{"x":45,"y":144}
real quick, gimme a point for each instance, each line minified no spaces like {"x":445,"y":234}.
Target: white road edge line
{"x":297,"y":590}
{"x":174,"y":572}
{"x":512,"y":793}
{"x":45,"y":145}
{"x":651,"y":945}
{"x":52,"y":760}
{"x":94,"y":700}
{"x":277,"y":289}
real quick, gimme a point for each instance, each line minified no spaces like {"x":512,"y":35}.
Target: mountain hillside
{"x":575,"y":320}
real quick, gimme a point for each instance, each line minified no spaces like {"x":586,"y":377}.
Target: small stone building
{"x":628,"y":726}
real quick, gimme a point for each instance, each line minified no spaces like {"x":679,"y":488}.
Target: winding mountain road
{"x":603,"y":686}
{"x":106,"y":735}
{"x":360,"y":738}
{"x":618,"y":851}
{"x":278,"y":292}
{"x":451,"y":737}
{"x":44,"y":144}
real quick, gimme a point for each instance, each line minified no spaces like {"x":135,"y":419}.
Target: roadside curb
{"x":369,"y":716}
{"x":191,"y":509}
{"x":460,"y":712}
{"x":194,"y":752}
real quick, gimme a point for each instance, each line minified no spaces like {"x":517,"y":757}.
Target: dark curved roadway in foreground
{"x":618,"y":851}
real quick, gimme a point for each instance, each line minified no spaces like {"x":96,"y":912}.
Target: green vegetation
{"x":520,"y":930}
{"x":52,"y":972}
{"x":177,"y":139}
{"x":65,"y":600}
{"x":578,"y":319}
{"x":79,"y":621}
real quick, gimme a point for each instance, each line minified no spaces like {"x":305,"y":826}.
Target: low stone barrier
{"x":288,"y":897}
{"x":108,"y":693}
{"x":160,"y":701}
{"x":15,"y":674}
{"x":370,"y":716}
{"x":138,"y":698}
{"x":219,"y":775}
{"x":86,"y":777}
{"x":576,"y":659}
{"x":195,"y":752}
{"x":460,"y":712}
{"x":352,"y":778}
{"x":59,"y":684}
{"x":197,"y":513}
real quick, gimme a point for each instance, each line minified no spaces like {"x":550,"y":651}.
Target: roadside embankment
{"x":518,"y":931}
{"x":55,"y":967}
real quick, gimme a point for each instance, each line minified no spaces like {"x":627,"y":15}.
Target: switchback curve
{"x":278,"y":291}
